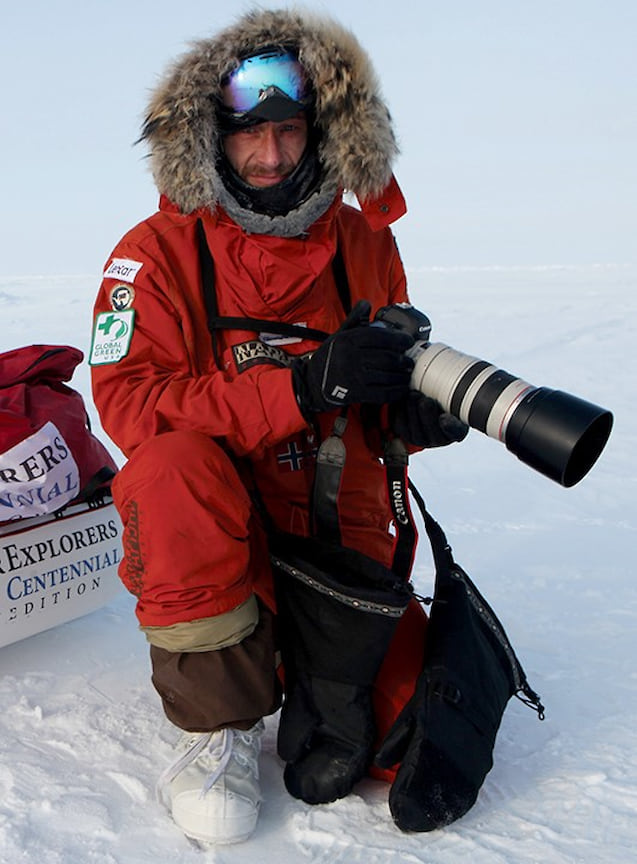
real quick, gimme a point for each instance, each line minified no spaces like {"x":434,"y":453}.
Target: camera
{"x":551,"y":431}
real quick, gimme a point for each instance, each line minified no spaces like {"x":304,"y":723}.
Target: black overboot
{"x":337,"y":612}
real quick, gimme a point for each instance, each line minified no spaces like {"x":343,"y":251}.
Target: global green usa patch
{"x":112,"y":336}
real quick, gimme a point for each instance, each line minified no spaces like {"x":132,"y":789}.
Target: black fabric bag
{"x":337,"y":611}
{"x":445,"y":735}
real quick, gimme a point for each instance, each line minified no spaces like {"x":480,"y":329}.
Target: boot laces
{"x":221,"y":747}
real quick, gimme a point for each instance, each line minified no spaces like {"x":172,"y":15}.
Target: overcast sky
{"x":517,"y":123}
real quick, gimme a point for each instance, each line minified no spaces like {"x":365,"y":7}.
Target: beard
{"x":279,"y":198}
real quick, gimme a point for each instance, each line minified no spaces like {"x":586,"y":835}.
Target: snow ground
{"x":82,"y":736}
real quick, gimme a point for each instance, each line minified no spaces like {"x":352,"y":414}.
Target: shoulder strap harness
{"x":331,"y":455}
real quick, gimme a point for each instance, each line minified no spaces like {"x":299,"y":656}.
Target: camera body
{"x":405,"y":317}
{"x":557,"y":434}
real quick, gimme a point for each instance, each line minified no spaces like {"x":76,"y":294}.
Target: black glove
{"x":433,"y":787}
{"x":359,"y":363}
{"x":445,"y":735}
{"x":419,"y":420}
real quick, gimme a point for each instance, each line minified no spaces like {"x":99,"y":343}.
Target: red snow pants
{"x":193,"y":549}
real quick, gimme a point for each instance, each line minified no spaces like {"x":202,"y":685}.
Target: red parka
{"x":169,"y":380}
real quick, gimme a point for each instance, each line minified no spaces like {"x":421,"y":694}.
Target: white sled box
{"x":55,"y":569}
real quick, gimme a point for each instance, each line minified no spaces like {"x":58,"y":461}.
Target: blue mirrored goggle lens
{"x":257,"y":77}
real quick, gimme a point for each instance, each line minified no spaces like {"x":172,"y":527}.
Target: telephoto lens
{"x":553,"y":432}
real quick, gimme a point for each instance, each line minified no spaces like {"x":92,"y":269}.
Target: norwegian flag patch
{"x":299,"y":454}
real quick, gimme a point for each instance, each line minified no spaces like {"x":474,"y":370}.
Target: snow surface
{"x":82,"y":735}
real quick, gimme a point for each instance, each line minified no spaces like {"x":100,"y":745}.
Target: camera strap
{"x":330,"y":463}
{"x":396,"y":459}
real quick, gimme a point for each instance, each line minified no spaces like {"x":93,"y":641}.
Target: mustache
{"x":256,"y":170}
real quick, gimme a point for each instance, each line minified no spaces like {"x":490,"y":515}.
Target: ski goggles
{"x":268,"y":75}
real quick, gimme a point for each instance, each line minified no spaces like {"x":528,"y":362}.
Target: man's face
{"x":265,"y":154}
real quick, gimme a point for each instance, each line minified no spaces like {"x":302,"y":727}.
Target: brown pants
{"x":208,"y":690}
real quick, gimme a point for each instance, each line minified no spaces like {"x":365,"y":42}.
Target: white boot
{"x":213,"y":789}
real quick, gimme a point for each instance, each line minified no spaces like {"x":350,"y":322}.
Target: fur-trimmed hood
{"x":358,"y":145}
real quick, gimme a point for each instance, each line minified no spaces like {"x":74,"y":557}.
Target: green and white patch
{"x":112,"y":336}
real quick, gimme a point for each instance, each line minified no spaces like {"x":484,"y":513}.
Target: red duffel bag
{"x":48,"y":455}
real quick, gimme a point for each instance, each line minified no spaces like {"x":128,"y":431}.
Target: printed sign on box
{"x":53,"y":570}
